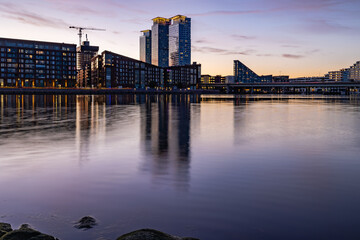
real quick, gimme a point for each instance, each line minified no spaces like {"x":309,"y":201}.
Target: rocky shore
{"x":25,"y":232}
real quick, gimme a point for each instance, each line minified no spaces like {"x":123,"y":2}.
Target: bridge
{"x":292,"y":87}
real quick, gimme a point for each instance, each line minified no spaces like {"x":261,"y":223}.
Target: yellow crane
{"x":85,"y":28}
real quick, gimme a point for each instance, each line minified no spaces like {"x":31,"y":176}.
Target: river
{"x":212,"y":167}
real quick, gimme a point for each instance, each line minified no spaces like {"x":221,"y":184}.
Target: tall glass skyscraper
{"x":160,"y":42}
{"x":145,"y":46}
{"x":180,"y":41}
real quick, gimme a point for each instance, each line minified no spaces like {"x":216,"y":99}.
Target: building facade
{"x":160,"y":42}
{"x":180,"y":41}
{"x":339,"y":76}
{"x":113,"y":70}
{"x":26,"y":63}
{"x":145,"y":46}
{"x":85,"y":53}
{"x":280,"y":79}
{"x":182,"y":77}
{"x":354,"y":72}
{"x":243,"y":74}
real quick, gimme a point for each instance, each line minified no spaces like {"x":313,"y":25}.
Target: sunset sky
{"x":292,"y":37}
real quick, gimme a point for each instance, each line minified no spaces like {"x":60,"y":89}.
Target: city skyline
{"x":274,"y":37}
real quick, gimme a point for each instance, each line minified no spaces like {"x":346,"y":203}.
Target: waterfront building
{"x":160,"y":42}
{"x":309,"y":79}
{"x":339,"y":76}
{"x":145,"y":46}
{"x":205,"y":79}
{"x":180,"y":77}
{"x":229,"y":79}
{"x":243,"y":74}
{"x":180,"y":41}
{"x":208,"y":79}
{"x":85,"y":53}
{"x":280,"y":79}
{"x":354,"y":72}
{"x":27,"y":63}
{"x":113,"y":70}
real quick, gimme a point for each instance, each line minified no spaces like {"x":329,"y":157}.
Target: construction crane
{"x":85,"y":28}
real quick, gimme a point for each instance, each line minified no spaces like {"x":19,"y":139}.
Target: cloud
{"x":92,"y":6}
{"x":214,"y":13}
{"x":14,"y":12}
{"x":270,"y":6}
{"x":203,"y":41}
{"x":324,"y":26}
{"x":290,"y":46}
{"x":264,"y":55}
{"x":242,"y":37}
{"x":221,"y":51}
{"x":293,"y":56}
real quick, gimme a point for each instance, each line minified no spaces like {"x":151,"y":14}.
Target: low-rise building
{"x":354,"y":72}
{"x":280,"y":79}
{"x":187,"y":76}
{"x":113,"y":70}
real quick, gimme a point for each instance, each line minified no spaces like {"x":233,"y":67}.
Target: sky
{"x":278,"y":37}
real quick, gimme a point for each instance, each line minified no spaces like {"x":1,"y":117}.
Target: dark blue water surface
{"x":212,"y":167}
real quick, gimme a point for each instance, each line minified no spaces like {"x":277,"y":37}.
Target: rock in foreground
{"x":151,"y":234}
{"x":86,"y":223}
{"x":23,"y":233}
{"x":5,"y":228}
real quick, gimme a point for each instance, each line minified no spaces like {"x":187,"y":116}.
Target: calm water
{"x":208,"y":167}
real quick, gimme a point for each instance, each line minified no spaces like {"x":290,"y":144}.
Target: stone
{"x":25,"y":232}
{"x":43,"y":237}
{"x":150,"y":234}
{"x":5,"y":227}
{"x":86,"y":223}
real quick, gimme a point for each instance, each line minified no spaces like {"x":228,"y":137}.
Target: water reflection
{"x":165,"y":132}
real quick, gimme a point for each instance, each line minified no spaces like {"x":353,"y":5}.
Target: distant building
{"x":339,"y":76}
{"x":309,"y":79}
{"x":205,"y":79}
{"x":180,"y":41}
{"x":243,"y":74}
{"x":26,"y":63}
{"x":145,"y":46}
{"x":208,"y":79}
{"x":188,"y":76}
{"x":85,"y":53}
{"x":229,"y":79}
{"x":160,"y":42}
{"x":350,"y":74}
{"x":281,"y":79}
{"x":354,"y":72}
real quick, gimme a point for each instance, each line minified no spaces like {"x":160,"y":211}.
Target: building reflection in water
{"x":35,"y":113}
{"x":85,"y":120}
{"x":90,"y":123}
{"x":165,"y":133}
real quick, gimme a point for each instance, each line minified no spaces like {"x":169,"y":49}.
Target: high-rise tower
{"x":145,"y":46}
{"x":180,"y":41}
{"x":160,"y":42}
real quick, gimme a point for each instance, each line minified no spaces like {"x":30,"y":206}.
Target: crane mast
{"x":81,"y":29}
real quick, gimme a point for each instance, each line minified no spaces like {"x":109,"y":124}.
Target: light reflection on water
{"x":213,"y":167}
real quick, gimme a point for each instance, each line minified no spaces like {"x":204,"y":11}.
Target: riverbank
{"x":80,"y":91}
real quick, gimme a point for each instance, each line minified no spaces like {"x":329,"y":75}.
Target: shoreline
{"x":74,"y":91}
{"x":114,"y":91}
